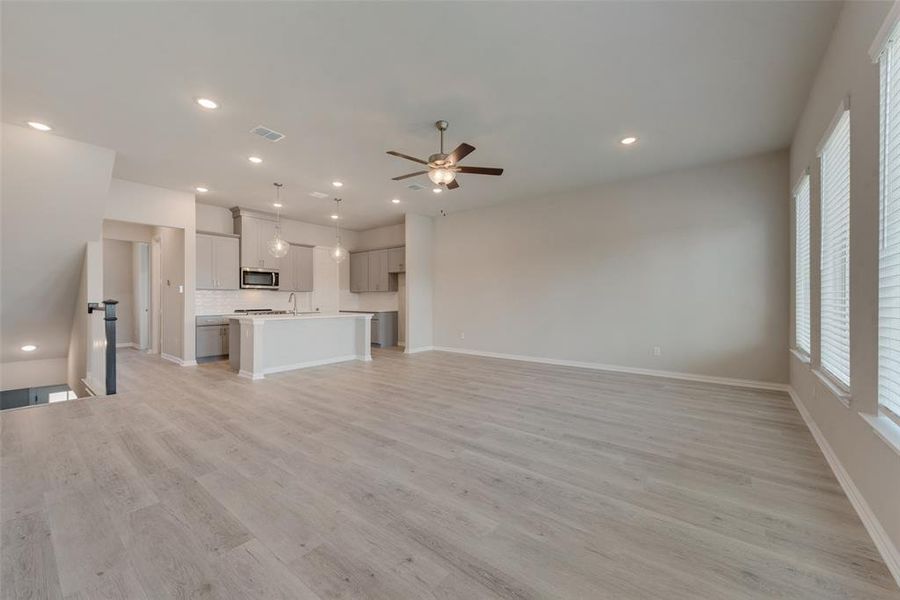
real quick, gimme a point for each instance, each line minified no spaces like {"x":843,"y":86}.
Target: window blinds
{"x":801,"y":266}
{"x":835,"y":288}
{"x":889,"y":242}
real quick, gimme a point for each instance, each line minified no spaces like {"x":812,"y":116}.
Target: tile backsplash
{"x":221,"y":302}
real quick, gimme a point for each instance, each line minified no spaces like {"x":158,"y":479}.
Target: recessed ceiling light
{"x":436,"y":190}
{"x":277,"y":204}
{"x":207,"y":103}
{"x":39,"y":126}
{"x":396,"y":200}
{"x":628,"y":140}
{"x":202,"y":190}
{"x":337,"y":183}
{"x":29,"y":348}
{"x":255,"y":160}
{"x":334,"y":217}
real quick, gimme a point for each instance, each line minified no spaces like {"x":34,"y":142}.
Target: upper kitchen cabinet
{"x":375,"y":270}
{"x":359,"y":271}
{"x":218,"y":266}
{"x":297,"y":269}
{"x":379,"y":278}
{"x":396,"y":260}
{"x":255,"y":232}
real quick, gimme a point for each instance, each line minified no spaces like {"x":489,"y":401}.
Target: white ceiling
{"x":544,"y":90}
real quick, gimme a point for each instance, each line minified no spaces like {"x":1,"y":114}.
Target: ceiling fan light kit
{"x":442,"y":167}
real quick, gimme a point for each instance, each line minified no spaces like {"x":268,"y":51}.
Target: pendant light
{"x":278,"y":247}
{"x":338,"y":253}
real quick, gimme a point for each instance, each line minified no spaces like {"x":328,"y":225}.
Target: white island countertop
{"x":299,"y":316}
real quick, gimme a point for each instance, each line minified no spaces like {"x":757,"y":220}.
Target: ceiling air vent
{"x":272,"y":136}
{"x":318,"y":195}
{"x":416,"y":187}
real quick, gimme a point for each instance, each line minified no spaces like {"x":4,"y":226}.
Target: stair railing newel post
{"x":110,"y":318}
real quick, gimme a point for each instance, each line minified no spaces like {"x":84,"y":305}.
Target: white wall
{"x":150,"y":205}
{"x":32,"y":373}
{"x":691,"y":261}
{"x":53,"y":192}
{"x":173,"y":304}
{"x":118,"y":284}
{"x":846,"y":68}
{"x":420,"y":278}
{"x":127,"y":232}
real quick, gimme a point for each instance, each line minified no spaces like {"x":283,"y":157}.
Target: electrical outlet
{"x":657,"y":351}
{"x":462,"y":335}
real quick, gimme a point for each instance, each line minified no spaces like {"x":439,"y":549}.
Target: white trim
{"x":834,"y":387}
{"x":745,"y":383}
{"x":844,"y":107}
{"x":883,"y":542}
{"x":401,"y":344}
{"x":884,"y":33}
{"x":126,"y":345}
{"x":800,"y":355}
{"x":178,"y":361}
{"x":87,"y":387}
{"x":312,"y":363}
{"x":885,"y":428}
{"x":419,"y":349}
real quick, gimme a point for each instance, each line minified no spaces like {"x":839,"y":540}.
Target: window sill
{"x":836,"y":389}
{"x":886,"y":429}
{"x":800,"y":355}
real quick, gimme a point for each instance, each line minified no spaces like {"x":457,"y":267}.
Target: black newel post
{"x":109,"y":316}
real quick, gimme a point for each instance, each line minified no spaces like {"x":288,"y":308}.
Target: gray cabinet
{"x":212,"y":337}
{"x":359,"y":272}
{"x":217,"y":262}
{"x":375,"y":270}
{"x":255,"y":235}
{"x":379,"y":278}
{"x":396,"y":260}
{"x":297,"y":269}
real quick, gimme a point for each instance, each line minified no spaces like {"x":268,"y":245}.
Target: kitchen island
{"x":264,"y":344}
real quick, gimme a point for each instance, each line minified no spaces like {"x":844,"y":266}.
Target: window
{"x":801,"y":266}
{"x":835,"y":283}
{"x":889,"y":238}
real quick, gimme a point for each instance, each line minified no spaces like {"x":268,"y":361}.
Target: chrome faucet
{"x":293,"y":298}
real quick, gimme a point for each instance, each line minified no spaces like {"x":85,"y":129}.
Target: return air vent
{"x":416,"y":187}
{"x":265,"y":132}
{"x":318,"y":195}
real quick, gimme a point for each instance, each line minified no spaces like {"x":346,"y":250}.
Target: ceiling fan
{"x":442,"y":168}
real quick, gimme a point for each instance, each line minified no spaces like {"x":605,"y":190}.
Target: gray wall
{"x":694,"y":262}
{"x":118,"y":284}
{"x":846,"y":69}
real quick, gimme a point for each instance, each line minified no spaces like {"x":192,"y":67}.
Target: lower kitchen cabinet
{"x":212,"y":337}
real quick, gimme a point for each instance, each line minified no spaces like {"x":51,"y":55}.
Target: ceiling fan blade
{"x":480,"y":170}
{"x":453,"y":185}
{"x":407,"y":157}
{"x":409,"y":175}
{"x":462,"y":151}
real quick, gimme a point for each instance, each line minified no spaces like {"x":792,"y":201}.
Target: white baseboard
{"x":303,"y":365}
{"x":419,"y":349}
{"x":178,"y":361}
{"x":126,"y":345}
{"x":889,"y":552}
{"x":746,"y":383}
{"x":88,"y":388}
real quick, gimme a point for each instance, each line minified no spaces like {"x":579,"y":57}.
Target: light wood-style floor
{"x":426,"y":476}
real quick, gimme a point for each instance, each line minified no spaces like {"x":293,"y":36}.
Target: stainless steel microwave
{"x":259,"y":279}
